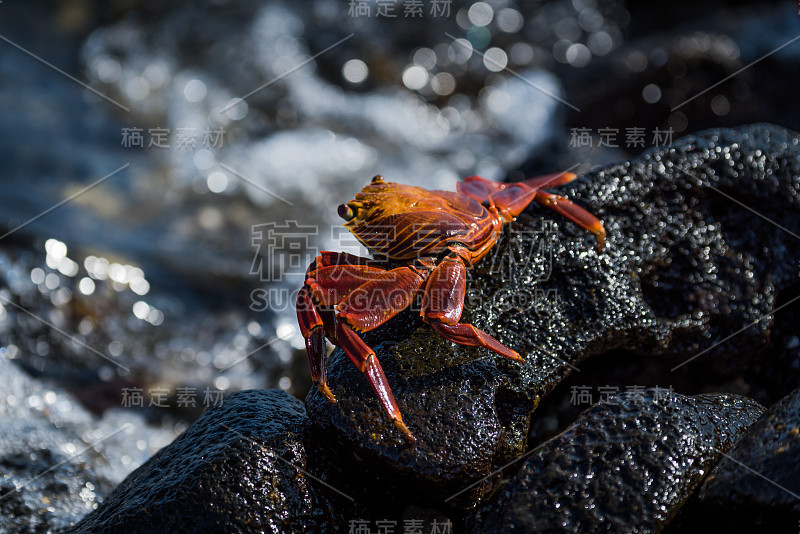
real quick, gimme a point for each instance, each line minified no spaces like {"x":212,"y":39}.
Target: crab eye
{"x":377,"y":179}
{"x":346,"y":212}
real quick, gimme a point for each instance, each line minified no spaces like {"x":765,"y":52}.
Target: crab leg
{"x":480,"y":188}
{"x":550,"y":180}
{"x":327,"y":258}
{"x":511,"y":199}
{"x":312,"y":328}
{"x":443,"y":303}
{"x":575,"y":213}
{"x":331,"y":276}
{"x":331,"y":284}
{"x":366,"y":308}
{"x":365,"y":360}
{"x":325,"y":287}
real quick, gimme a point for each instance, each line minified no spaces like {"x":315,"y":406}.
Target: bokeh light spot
{"x":217,"y":182}
{"x":480,"y":13}
{"x":495,"y":59}
{"x":509,"y":20}
{"x":355,"y":71}
{"x":194,"y":91}
{"x":651,"y":93}
{"x":415,"y":77}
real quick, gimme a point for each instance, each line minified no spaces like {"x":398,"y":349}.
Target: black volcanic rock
{"x":241,"y":467}
{"x":685,"y":267}
{"x":757,"y":487}
{"x":625,"y":465}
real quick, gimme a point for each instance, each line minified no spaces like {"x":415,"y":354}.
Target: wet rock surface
{"x":242,"y":467}
{"x":685,"y":267}
{"x":625,"y":465}
{"x":756,"y":488}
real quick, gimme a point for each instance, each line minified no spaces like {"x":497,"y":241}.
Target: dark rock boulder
{"x":686,"y":267}
{"x":756,"y":487}
{"x":626,"y":465}
{"x":241,"y":467}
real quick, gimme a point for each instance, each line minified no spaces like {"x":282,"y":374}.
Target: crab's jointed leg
{"x":327,"y":284}
{"x":366,"y":308}
{"x":511,"y":199}
{"x":443,"y":303}
{"x":481,"y":189}
{"x":313,"y":330}
{"x":550,"y":180}
{"x":574,"y":213}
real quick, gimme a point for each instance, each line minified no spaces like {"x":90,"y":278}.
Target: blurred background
{"x":168,"y":169}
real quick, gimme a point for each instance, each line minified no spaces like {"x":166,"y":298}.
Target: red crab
{"x":429,"y":239}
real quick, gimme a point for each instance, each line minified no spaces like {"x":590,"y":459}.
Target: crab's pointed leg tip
{"x":511,"y":354}
{"x":327,"y":393}
{"x":404,"y":429}
{"x":599,"y":232}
